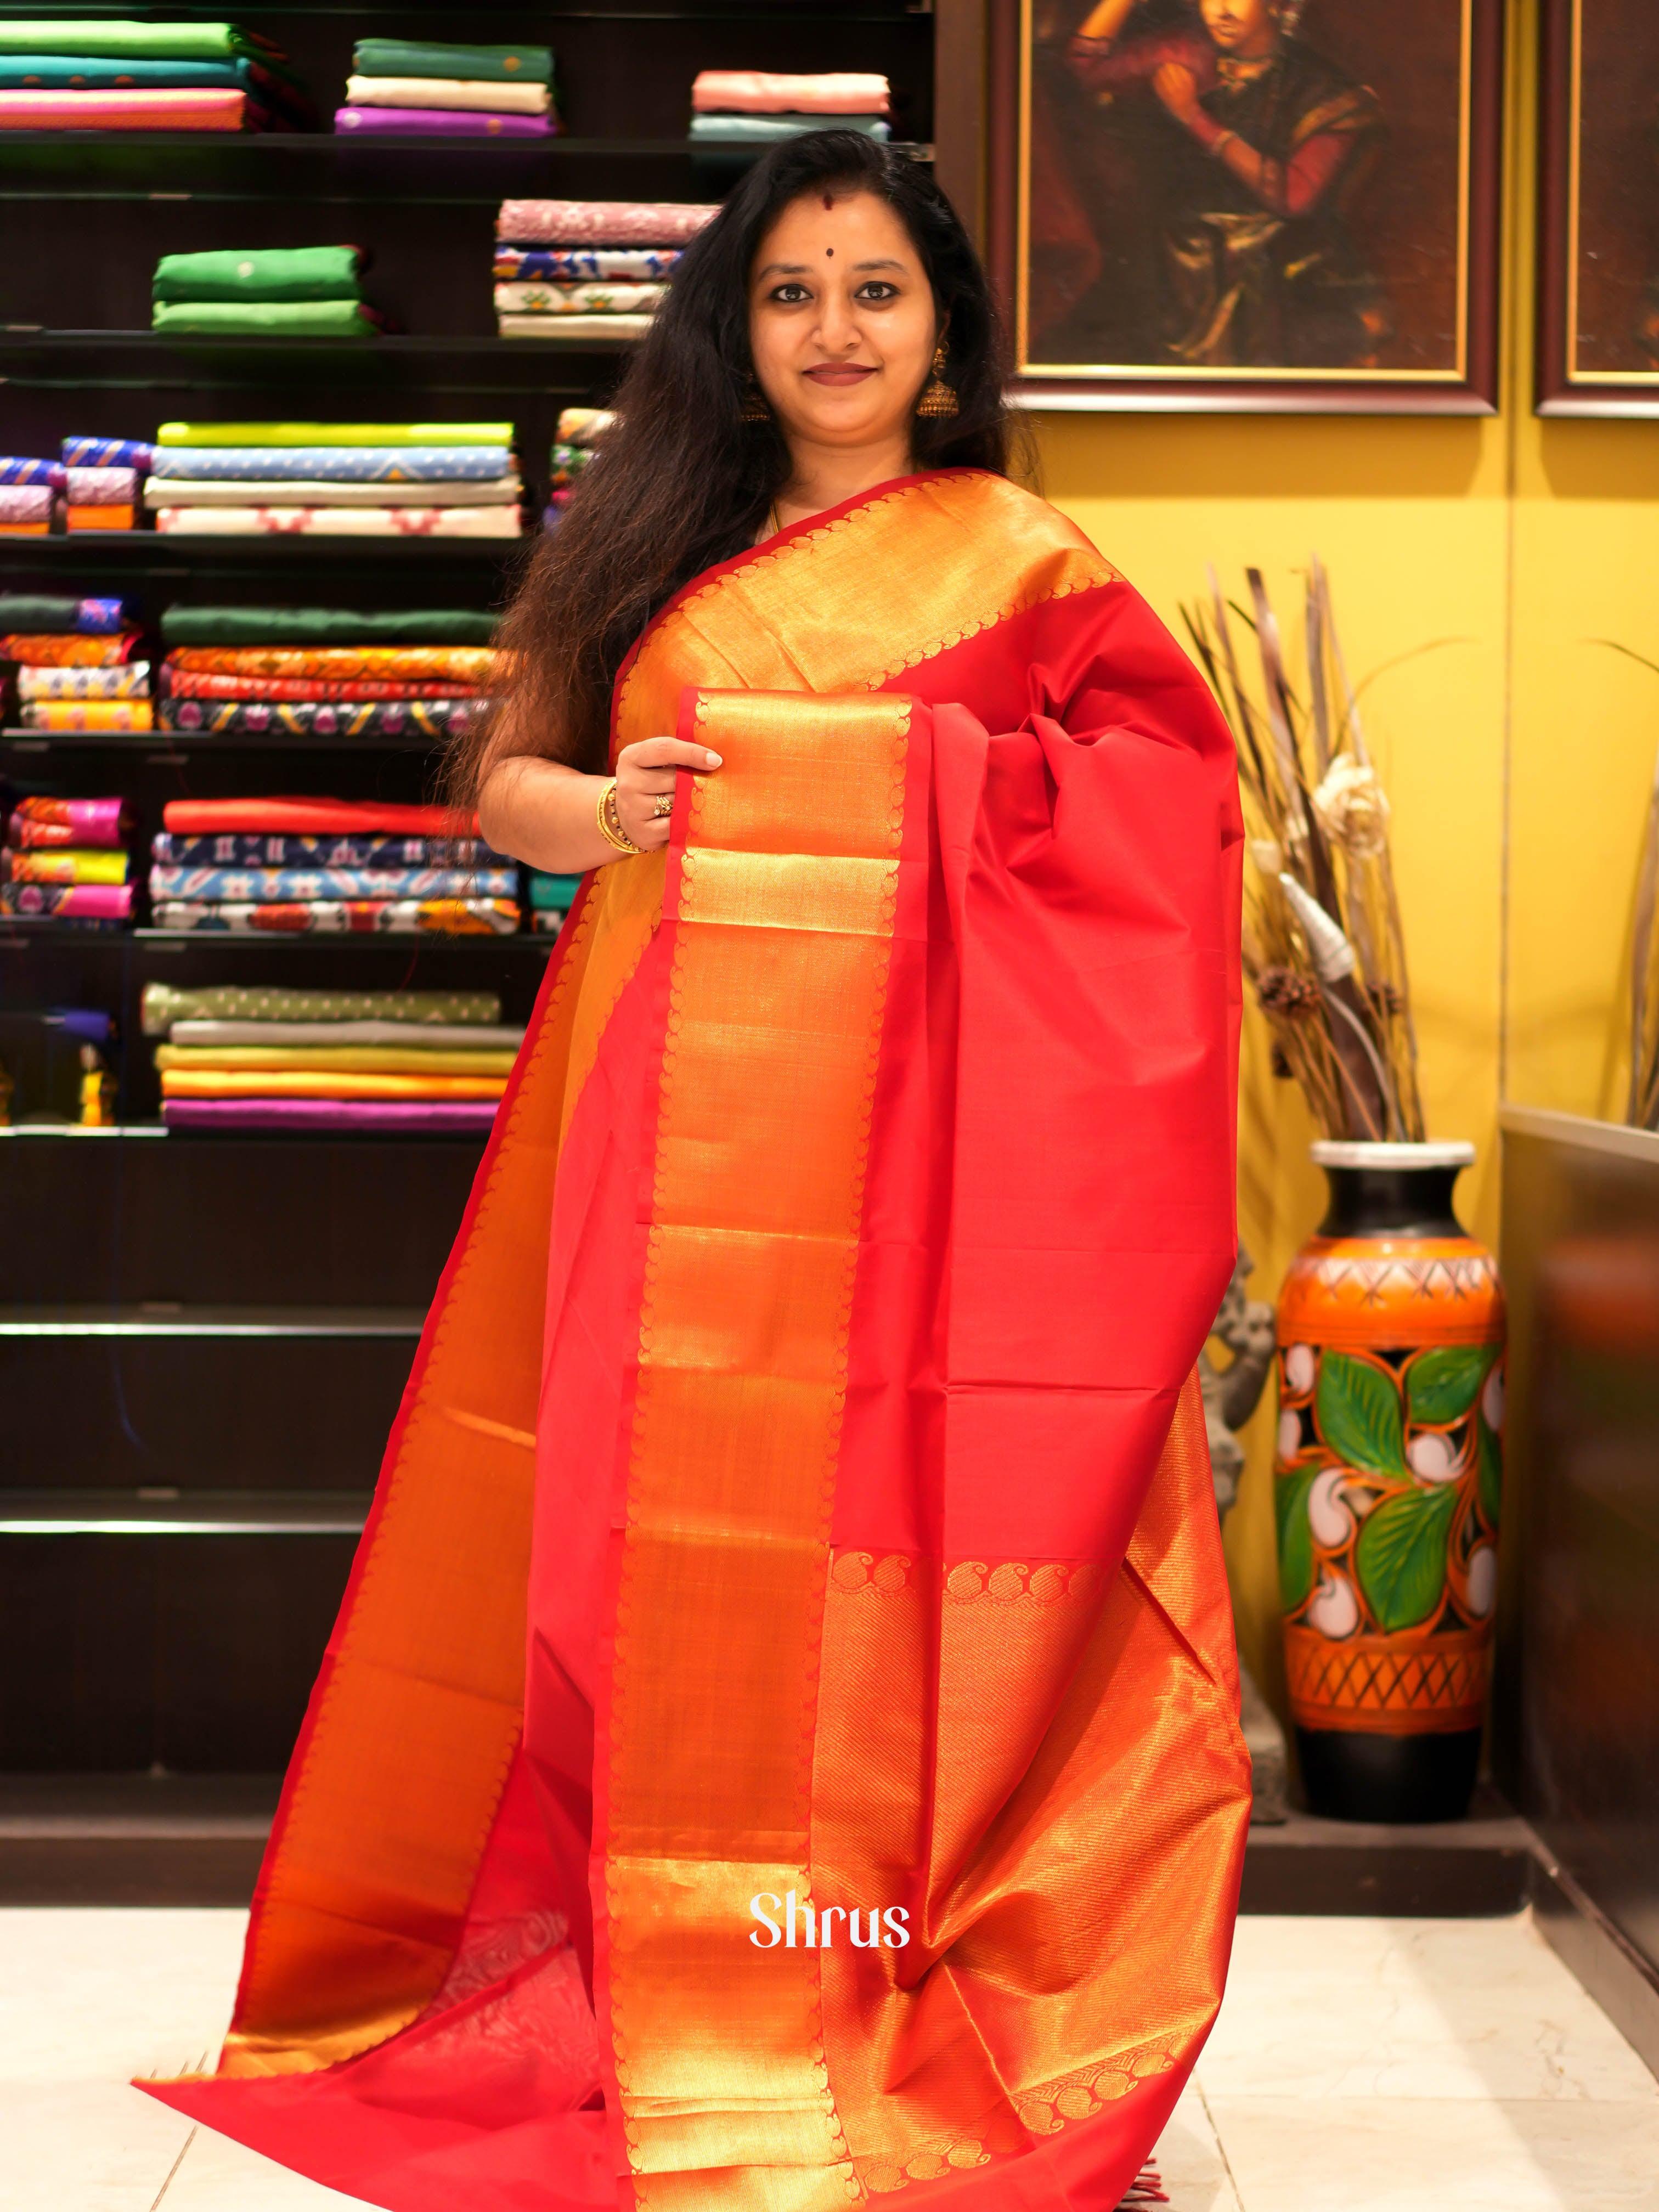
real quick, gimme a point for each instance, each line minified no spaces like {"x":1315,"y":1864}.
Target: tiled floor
{"x":1358,"y":2066}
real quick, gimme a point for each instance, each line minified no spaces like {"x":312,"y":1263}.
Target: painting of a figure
{"x":1601,"y":203}
{"x":1248,"y":188}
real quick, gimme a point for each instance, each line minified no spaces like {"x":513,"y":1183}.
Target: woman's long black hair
{"x":682,"y":482}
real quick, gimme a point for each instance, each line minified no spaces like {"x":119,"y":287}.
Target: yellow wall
{"x":1516,"y":757}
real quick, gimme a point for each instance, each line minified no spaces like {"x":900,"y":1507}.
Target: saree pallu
{"x":459,"y":663}
{"x":839,"y":1535}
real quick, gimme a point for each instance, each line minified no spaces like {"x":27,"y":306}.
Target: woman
{"x":1254,"y":148}
{"x":779,"y":1743}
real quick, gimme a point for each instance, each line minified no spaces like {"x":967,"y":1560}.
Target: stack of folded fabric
{"x":103,"y":478}
{"x":30,"y":490}
{"x":444,"y":91}
{"x":580,"y":429}
{"x":386,"y":1062}
{"x":550,"y":898}
{"x":336,"y":479}
{"x":251,"y":865}
{"x":288,"y":291}
{"x":587,"y":272}
{"x":113,"y":76}
{"x":65,"y":859}
{"x":73,"y":664}
{"x":319,"y":705}
{"x":754,"y":107}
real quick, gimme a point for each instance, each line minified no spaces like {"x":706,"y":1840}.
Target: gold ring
{"x":665,"y":804}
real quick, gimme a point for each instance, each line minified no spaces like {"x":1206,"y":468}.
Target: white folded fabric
{"x":267,"y":521}
{"x":576,"y":330}
{"x":447,"y":92}
{"x":205,"y":491}
{"x":586,"y":299}
{"x":129,"y":681}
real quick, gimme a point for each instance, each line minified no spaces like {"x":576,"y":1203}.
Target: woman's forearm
{"x":544,"y":814}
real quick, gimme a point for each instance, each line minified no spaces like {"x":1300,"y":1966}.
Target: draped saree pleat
{"x":837,"y":1527}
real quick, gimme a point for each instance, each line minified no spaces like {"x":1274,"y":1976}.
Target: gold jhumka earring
{"x":754,"y":408}
{"x":938,"y":401}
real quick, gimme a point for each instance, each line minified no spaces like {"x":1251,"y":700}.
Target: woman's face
{"x":1248,"y":28}
{"x":842,"y":322}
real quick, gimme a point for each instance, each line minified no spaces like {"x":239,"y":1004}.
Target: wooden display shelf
{"x":147,"y":552}
{"x":167,"y":1511}
{"x":171,"y":745}
{"x":159,"y":1319}
{"x":16,"y":933}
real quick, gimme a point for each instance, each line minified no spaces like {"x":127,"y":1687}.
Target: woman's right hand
{"x":646,"y":772}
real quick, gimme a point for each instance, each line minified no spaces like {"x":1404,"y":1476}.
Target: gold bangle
{"x":607,"y":815}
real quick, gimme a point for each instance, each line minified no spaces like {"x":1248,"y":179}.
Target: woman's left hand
{"x":1176,"y":86}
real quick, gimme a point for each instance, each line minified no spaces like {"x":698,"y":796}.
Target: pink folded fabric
{"x":390,"y":1116}
{"x":601,"y":222}
{"x":764,"y":92}
{"x":25,"y":503}
{"x":200,"y":109}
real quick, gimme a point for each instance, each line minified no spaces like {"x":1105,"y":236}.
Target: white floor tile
{"x":1400,"y":2154}
{"x":84,"y":2146}
{"x":1190,"y":2161}
{"x":100,"y":1994}
{"x":1411,"y":2009}
{"x":217,"y":2175}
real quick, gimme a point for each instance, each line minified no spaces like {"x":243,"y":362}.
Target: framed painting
{"x":1284,"y":205}
{"x":1598,"y":291}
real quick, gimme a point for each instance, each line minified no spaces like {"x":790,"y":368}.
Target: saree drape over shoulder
{"x":800,"y":1508}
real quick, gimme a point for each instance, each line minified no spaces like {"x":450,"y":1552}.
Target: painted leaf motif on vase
{"x":1357,"y":1406}
{"x":1402,"y":1555}
{"x":1444,"y":1382}
{"x":1295,"y":1536}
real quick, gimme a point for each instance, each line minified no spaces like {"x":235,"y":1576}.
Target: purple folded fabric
{"x":406,"y":1117}
{"x":16,"y":470}
{"x":108,"y":453}
{"x":442,"y":123}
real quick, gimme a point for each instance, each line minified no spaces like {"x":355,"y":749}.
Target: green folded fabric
{"x":335,"y":433}
{"x":27,"y":612}
{"x":770,"y":129}
{"x":161,"y":42}
{"x":476,"y":64}
{"x":287,"y":319}
{"x":323,"y":626}
{"x":299,"y":272}
{"x":552,"y":894}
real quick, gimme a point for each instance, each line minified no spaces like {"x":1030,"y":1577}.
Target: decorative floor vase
{"x":1387,"y":1481}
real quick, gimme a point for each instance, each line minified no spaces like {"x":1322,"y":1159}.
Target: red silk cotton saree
{"x":779,"y":1746}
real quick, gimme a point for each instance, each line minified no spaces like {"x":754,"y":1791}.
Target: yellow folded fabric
{"x":334,"y":1058}
{"x":230,"y":1083}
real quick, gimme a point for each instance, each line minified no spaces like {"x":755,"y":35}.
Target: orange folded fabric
{"x":456,"y":664}
{"x":54,"y":651}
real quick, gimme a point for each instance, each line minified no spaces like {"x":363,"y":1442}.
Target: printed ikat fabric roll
{"x":592,"y":298}
{"x":279,"y":886}
{"x":241,"y":849}
{"x":21,"y":469}
{"x":45,"y":649}
{"x":64,"y":865}
{"x":629,"y":265}
{"x":602,"y":222}
{"x":455,"y":664}
{"x":27,"y":505}
{"x":88,"y":714}
{"x":440,"y":721}
{"x":340,"y":521}
{"x":130,"y":681}
{"x":309,"y":689}
{"x":93,"y":903}
{"x":107,"y":453}
{"x":458,"y":917}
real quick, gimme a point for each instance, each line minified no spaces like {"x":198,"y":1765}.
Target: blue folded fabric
{"x":281,"y":886}
{"x":769,"y":130}
{"x":334,"y":463}
{"x":107,"y":453}
{"x":17,"y":469}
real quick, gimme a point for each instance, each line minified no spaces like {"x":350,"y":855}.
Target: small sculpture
{"x":1231,"y":1395}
